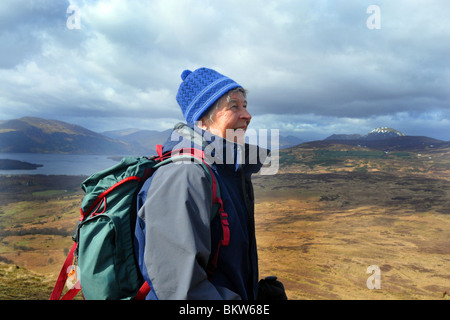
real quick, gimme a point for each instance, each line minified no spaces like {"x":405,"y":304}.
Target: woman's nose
{"x":246,"y":115}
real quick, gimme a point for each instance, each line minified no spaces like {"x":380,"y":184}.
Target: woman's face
{"x":231,"y":119}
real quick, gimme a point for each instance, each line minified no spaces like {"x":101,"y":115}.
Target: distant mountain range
{"x":141,"y":140}
{"x":36,"y":135}
{"x":387,"y":139}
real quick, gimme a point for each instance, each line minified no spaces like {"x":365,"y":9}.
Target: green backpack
{"x":102,"y":260}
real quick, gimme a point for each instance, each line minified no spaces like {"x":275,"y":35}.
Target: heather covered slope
{"x":331,"y":212}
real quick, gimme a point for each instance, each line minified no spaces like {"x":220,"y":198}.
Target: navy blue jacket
{"x":175,"y":234}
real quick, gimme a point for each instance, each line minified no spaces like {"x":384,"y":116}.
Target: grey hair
{"x":208,"y":117}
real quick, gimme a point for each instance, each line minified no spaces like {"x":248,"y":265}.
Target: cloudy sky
{"x":312,"y":67}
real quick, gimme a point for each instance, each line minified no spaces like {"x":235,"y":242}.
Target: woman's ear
{"x":202,"y":124}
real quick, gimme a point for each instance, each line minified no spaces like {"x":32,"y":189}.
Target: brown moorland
{"x":328,"y":215}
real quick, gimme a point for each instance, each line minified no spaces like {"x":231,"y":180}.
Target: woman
{"x":175,"y":234}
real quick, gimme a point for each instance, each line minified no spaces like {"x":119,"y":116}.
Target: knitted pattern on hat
{"x":200,"y":90}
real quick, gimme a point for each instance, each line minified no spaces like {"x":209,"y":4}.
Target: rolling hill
{"x":36,"y":135}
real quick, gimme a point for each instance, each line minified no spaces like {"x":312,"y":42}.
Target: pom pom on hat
{"x":200,"y":90}
{"x":185,"y":74}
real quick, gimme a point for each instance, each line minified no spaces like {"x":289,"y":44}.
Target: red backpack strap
{"x":143,"y":291}
{"x":159,"y":150}
{"x":62,"y":278}
{"x":212,"y":265}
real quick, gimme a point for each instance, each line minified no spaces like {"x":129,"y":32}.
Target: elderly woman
{"x":177,"y":237}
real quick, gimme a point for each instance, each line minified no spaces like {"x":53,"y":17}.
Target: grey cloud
{"x":315,"y":58}
{"x":23,"y":25}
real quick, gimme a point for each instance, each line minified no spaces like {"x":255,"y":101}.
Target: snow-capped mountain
{"x":379,"y":133}
{"x":383,"y":133}
{"x":384,"y":138}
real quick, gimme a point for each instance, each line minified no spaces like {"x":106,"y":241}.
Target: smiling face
{"x":230,"y":118}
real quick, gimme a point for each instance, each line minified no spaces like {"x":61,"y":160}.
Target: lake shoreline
{"x":10,"y":164}
{"x":55,"y":164}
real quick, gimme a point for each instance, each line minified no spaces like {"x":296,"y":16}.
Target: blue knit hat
{"x":200,"y":89}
